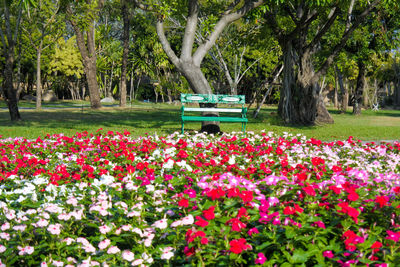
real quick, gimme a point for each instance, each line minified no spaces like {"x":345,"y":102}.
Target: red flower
{"x":189,"y":251}
{"x":201,"y":222}
{"x":382,"y":200}
{"x":183,"y":203}
{"x":209,"y":213}
{"x":393,"y":236}
{"x":309,"y":190}
{"x":246,"y":196}
{"x":238,"y":245}
{"x":182,"y":154}
{"x":216,"y":193}
{"x":353,"y":196}
{"x":376,"y":246}
{"x":243,"y":213}
{"x":204,"y":241}
{"x":236,"y":224}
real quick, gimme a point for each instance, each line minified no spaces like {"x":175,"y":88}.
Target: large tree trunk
{"x":299,"y":100}
{"x":359,"y":89}
{"x":199,"y":84}
{"x":125,"y":53}
{"x":9,"y":92}
{"x":88,"y":53}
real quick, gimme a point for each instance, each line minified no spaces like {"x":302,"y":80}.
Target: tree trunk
{"x":200,"y":85}
{"x":38,"y":79}
{"x":88,"y":53}
{"x":125,"y":53}
{"x":10,"y":93}
{"x":343,"y":96}
{"x":359,"y":89}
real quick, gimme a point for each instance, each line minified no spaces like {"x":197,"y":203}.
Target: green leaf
{"x":299,"y":256}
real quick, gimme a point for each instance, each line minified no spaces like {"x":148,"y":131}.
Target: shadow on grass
{"x":166,"y":119}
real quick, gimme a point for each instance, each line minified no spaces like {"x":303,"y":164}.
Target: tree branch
{"x":142,"y":6}
{"x":190,"y":30}
{"x":225,"y":20}
{"x":164,"y":42}
{"x":342,"y":43}
{"x":331,"y":19}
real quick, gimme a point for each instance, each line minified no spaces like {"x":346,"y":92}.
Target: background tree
{"x":189,"y":61}
{"x":10,"y":20}
{"x":82,"y":16}
{"x":300,"y":26}
{"x":43,"y":27}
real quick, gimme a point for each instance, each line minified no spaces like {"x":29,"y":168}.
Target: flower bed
{"x":111,"y":200}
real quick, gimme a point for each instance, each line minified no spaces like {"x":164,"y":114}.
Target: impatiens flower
{"x":167,"y":253}
{"x":201,"y":222}
{"x":161,"y":224}
{"x":260,"y":258}
{"x":2,"y":248}
{"x":236,"y":224}
{"x":376,"y":246}
{"x":137,"y":262}
{"x":104,"y":244}
{"x":309,"y":190}
{"x":328,"y":254}
{"x":382,"y":201}
{"x":54,"y":229}
{"x":253,"y":231}
{"x":25,"y":250}
{"x":128,"y":255}
{"x":238,"y":245}
{"x":113,"y":250}
{"x":395,"y":236}
{"x":209,"y":213}
{"x":104,"y":229}
{"x":188,"y":220}
{"x":183,"y":203}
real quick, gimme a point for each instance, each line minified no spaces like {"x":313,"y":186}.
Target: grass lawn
{"x":143,"y":118}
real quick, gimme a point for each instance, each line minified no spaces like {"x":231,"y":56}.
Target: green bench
{"x":213,"y":99}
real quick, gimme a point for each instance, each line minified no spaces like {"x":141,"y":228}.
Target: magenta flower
{"x":328,"y":254}
{"x":260,"y":258}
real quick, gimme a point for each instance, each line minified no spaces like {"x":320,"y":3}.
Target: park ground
{"x":69,"y":117}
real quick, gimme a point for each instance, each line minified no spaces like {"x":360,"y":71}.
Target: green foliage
{"x":66,"y":58}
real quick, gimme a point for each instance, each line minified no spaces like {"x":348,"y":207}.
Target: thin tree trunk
{"x":343,"y":96}
{"x":269,"y":85}
{"x":125,"y":53}
{"x":9,"y":91}
{"x":38,"y":79}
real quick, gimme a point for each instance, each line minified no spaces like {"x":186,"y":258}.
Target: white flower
{"x":25,"y":250}
{"x":5,"y":226}
{"x":137,"y":262}
{"x":113,"y":250}
{"x":161,"y":224}
{"x":105,"y":243}
{"x":2,"y":248}
{"x":128,"y":255}
{"x":104,"y":229}
{"x":54,"y":229}
{"x":188,"y":220}
{"x":167,"y":253}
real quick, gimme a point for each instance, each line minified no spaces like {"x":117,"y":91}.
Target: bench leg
{"x":183,"y":127}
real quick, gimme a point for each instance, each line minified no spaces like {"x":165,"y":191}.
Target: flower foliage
{"x":111,"y":200}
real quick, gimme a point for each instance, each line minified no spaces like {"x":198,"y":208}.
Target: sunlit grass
{"x":147,"y":118}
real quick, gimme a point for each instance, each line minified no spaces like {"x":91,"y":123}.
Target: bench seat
{"x":214,"y":99}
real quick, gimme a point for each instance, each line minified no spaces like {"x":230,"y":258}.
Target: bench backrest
{"x":213,"y":99}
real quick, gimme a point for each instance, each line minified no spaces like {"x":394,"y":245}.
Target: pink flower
{"x":393,"y":236}
{"x":5,"y":226}
{"x":137,"y":262}
{"x":161,"y":224}
{"x":328,"y":254}
{"x":25,"y":250}
{"x":113,"y":250}
{"x":54,"y":229}
{"x":167,"y":253}
{"x":260,"y":258}
{"x":188,"y":220}
{"x":128,"y":255}
{"x":2,"y":248}
{"x":42,"y":223}
{"x":105,"y":243}
{"x":253,"y":231}
{"x":104,"y":229}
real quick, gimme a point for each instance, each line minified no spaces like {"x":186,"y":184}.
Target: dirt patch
{"x":385,"y":121}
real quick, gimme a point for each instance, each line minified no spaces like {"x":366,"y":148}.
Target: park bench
{"x":204,"y":99}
